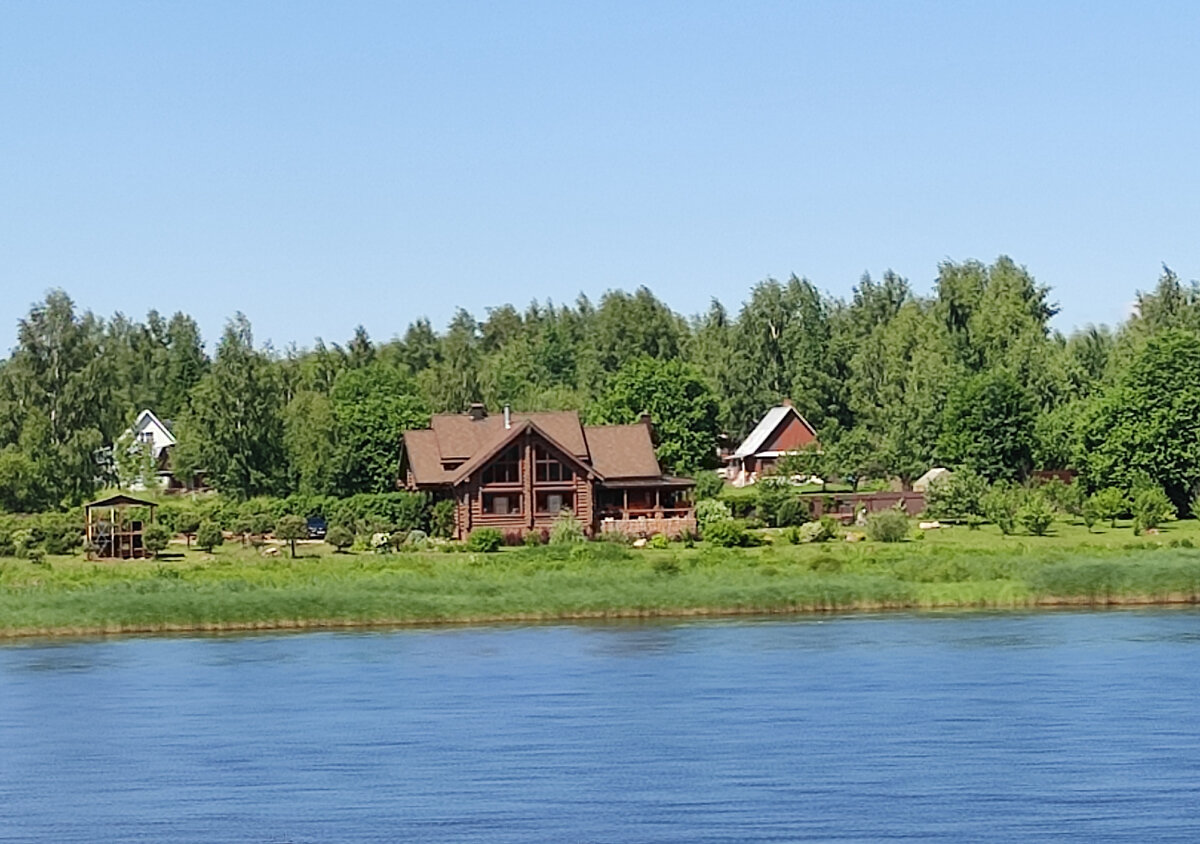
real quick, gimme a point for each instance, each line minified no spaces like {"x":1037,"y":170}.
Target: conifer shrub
{"x":709,"y":485}
{"x":441,"y":519}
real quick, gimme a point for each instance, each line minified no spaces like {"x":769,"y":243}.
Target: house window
{"x":145,"y":436}
{"x":555,"y":502}
{"x":550,"y":470}
{"x":505,"y":469}
{"x":502,"y":504}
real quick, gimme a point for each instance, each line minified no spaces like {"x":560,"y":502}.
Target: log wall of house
{"x":470,"y":514}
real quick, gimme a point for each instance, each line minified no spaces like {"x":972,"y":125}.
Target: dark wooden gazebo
{"x":111,"y":531}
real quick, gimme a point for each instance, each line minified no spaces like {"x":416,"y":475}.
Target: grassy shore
{"x":238,"y":588}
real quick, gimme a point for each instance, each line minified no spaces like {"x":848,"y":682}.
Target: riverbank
{"x":240,"y":589}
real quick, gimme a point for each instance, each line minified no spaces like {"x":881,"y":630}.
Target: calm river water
{"x":965,"y":727}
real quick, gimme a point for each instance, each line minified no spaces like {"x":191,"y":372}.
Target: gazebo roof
{"x":120,"y":500}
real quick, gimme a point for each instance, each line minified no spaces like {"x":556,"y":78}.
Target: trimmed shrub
{"x":155,"y":538}
{"x":340,"y":537}
{"x":486,"y":540}
{"x":770,"y":494}
{"x":887,"y":526}
{"x":658,"y":542}
{"x":418,"y":540}
{"x":209,"y":536}
{"x":290,"y":529}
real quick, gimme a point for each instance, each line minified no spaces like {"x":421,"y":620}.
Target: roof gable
{"x":506,"y":438}
{"x":766,"y":428}
{"x":147,"y":419}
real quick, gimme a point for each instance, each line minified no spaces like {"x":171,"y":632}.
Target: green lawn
{"x":238,"y":588}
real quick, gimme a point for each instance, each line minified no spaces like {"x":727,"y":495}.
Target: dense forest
{"x":894,"y":380}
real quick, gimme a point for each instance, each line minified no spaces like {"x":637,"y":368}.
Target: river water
{"x":926,"y":727}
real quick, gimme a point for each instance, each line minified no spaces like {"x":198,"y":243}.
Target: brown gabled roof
{"x":120,"y":500}
{"x":460,"y":437}
{"x":424,"y":459}
{"x":622,"y":451}
{"x":608,"y":452}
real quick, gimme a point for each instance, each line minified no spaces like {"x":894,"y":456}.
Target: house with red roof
{"x":518,"y":472}
{"x":781,"y":430}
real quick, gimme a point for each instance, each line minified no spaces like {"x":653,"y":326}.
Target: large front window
{"x":555,"y":502}
{"x":505,"y":469}
{"x":502,"y":504}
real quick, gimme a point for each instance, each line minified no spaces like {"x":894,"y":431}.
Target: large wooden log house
{"x":518,"y":472}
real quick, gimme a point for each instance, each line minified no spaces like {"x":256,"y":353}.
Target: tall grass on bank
{"x":238,"y":590}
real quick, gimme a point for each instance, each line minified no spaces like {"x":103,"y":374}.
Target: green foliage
{"x":957,"y":497}
{"x":887,"y":526}
{"x":988,"y":426}
{"x":1035,"y":514}
{"x":373,"y":406}
{"x":708,"y":485}
{"x":1001,"y":504}
{"x":711,"y":510}
{"x":155,"y":538}
{"x":820,"y":530}
{"x":658,"y":542}
{"x":682,"y":409}
{"x":384,"y":512}
{"x":340,"y":537}
{"x":291,"y":528}
{"x":209,"y":536}
{"x":485,"y":539}
{"x":566,"y":530}
{"x":771,"y":494}
{"x":1149,"y":422}
{"x":727,"y":533}
{"x":441,"y":519}
{"x":1151,"y":507}
{"x":792,"y":511}
{"x":1108,"y":504}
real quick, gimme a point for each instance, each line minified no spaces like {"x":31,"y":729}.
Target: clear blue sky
{"x":321,"y":165}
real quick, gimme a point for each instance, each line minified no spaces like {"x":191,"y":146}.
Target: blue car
{"x":316,"y":527}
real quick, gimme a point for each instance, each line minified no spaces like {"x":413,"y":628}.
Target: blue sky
{"x":322,"y":165}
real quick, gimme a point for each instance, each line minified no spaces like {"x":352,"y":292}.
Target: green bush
{"x":887,"y":526}
{"x":1108,"y":504}
{"x":486,"y":540}
{"x":711,"y":510}
{"x":708,"y":485}
{"x":532,"y":538}
{"x":658,"y":542}
{"x":155,"y":538}
{"x":957,"y":497}
{"x":291,"y":528}
{"x":340,"y":537}
{"x":1001,"y":504}
{"x":209,"y":536}
{"x":792,"y":511}
{"x":727,"y":533}
{"x":417,"y":540}
{"x":1152,"y":507}
{"x":770,"y":494}
{"x":383,"y":512}
{"x":1035,"y":514}
{"x":441,"y":519}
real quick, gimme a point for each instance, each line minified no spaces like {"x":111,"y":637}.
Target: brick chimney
{"x":786,"y":403}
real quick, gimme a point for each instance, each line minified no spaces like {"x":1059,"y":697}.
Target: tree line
{"x":895,"y":381}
